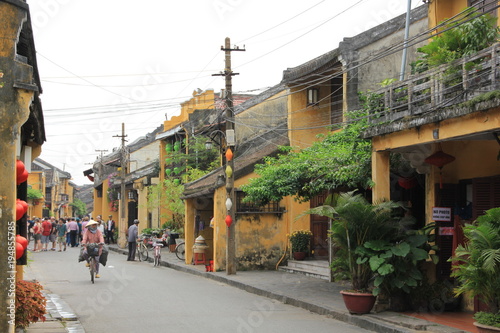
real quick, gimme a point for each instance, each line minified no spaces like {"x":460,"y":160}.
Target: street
{"x":135,"y":297}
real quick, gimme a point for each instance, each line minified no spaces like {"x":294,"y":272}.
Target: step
{"x":304,"y":272}
{"x":314,"y":266}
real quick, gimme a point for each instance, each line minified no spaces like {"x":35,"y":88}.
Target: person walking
{"x":46,"y":231}
{"x":73,"y":231}
{"x":61,"y":234}
{"x":53,"y":233}
{"x":110,"y":230}
{"x":133,"y":232}
{"x":37,"y":236}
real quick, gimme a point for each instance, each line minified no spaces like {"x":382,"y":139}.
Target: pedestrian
{"x":100,"y":224}
{"x":133,"y":232}
{"x":53,"y":233}
{"x":68,"y":238}
{"x":31,"y":224}
{"x":61,"y":234}
{"x":73,"y":231}
{"x":81,"y":231}
{"x":110,"y":230}
{"x":46,"y":231}
{"x":37,"y":236}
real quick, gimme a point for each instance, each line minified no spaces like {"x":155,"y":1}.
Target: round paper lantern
{"x":177,"y":146}
{"x":440,"y":159}
{"x":229,"y":204}
{"x":229,"y":154}
{"x":168,"y":171}
{"x":229,"y":220}
{"x":168,"y":147}
{"x":24,"y":204}
{"x":19,"y":211}
{"x":19,"y":250}
{"x":22,"y":240}
{"x":177,"y":181}
{"x":22,"y":177}
{"x":229,"y":171}
{"x":20,"y":167}
{"x":407,"y":183}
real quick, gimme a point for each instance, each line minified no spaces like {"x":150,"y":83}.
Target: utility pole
{"x":122,"y":226}
{"x":101,"y":151}
{"x":230,"y":144}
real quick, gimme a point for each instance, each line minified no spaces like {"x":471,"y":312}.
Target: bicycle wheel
{"x":180,"y":251}
{"x":92,"y":268}
{"x":142,"y":251}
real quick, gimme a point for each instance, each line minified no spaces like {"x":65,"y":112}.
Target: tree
{"x":340,"y":159}
{"x":79,"y":207}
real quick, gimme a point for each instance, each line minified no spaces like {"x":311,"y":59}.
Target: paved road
{"x":135,"y":297}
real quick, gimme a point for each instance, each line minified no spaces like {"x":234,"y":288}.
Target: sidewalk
{"x":312,"y":294}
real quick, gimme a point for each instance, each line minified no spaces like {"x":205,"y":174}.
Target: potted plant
{"x":476,"y":266}
{"x":30,"y":303}
{"x":354,"y":222}
{"x":300,"y":240}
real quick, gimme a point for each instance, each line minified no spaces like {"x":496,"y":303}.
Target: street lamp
{"x":230,"y":196}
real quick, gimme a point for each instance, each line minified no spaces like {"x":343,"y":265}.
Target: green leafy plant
{"x":487,"y":318}
{"x":79,"y":207}
{"x":354,"y":222}
{"x":34,"y":194}
{"x":300,"y":240}
{"x":167,"y":195}
{"x":476,"y":265}
{"x":30,"y":303}
{"x":395,"y":261}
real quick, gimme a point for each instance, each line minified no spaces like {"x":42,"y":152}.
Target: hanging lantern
{"x":229,"y":204}
{"x":19,"y":250}
{"x":177,"y":146}
{"x":407,"y":183}
{"x":19,"y":167}
{"x":439,"y":159}
{"x":22,"y":240}
{"x":229,"y":154}
{"x":21,"y":178}
{"x":19,"y":211}
{"x":229,"y":171}
{"x":177,"y":181}
{"x":168,"y":147}
{"x":168,"y":171}
{"x":229,"y":220}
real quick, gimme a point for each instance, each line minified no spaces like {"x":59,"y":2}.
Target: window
{"x":312,"y":96}
{"x":251,"y":208}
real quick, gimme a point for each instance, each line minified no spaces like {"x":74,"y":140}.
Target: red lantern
{"x":19,"y":168}
{"x":19,"y":250}
{"x":407,"y":183}
{"x":21,"y":178}
{"x":229,"y":220}
{"x":24,"y":204}
{"x":22,"y":240}
{"x":229,"y":154}
{"x":439,"y":159}
{"x":19,"y":211}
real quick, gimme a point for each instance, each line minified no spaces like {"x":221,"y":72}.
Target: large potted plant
{"x":355,"y":222}
{"x":476,"y":266}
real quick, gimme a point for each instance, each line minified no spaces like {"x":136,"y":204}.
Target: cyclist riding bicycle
{"x":93,"y":235}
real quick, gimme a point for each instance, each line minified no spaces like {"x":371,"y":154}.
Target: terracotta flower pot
{"x":358,"y":303}
{"x":299,"y":255}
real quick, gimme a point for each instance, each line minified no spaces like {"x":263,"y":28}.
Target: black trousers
{"x":109,"y":237}
{"x":72,"y":236}
{"x":132,"y":246}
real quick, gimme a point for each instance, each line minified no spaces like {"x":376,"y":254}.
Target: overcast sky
{"x":104,"y":63}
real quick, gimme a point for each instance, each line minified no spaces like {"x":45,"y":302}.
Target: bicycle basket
{"x":93,"y":250}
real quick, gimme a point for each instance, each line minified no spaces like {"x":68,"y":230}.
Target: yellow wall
{"x":36,"y":180}
{"x":440,"y":10}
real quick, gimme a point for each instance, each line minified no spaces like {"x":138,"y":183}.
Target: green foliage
{"x":34,"y":194}
{"x":395,"y":261}
{"x":79,"y":207}
{"x":462,"y":38}
{"x":339,"y":159}
{"x":30,"y":303}
{"x":300,"y":240}
{"x":167,"y":195}
{"x":487,"y":318}
{"x":354,"y":222}
{"x":477,"y":263}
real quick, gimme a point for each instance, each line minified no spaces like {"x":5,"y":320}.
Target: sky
{"x":104,"y":63}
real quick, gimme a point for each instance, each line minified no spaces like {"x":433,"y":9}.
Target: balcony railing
{"x":440,"y":87}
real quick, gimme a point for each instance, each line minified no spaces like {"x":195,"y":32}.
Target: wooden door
{"x":319,"y":229}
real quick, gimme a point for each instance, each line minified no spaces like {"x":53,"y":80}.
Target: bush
{"x":30,"y":303}
{"x":300,"y":240}
{"x":487,"y":318}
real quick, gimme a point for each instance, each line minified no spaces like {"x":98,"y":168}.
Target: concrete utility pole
{"x":230,"y":143}
{"x":122,"y":223}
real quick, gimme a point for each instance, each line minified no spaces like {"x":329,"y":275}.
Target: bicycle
{"x":180,"y":251}
{"x":142,"y":248}
{"x":157,"y":245}
{"x":93,"y":252}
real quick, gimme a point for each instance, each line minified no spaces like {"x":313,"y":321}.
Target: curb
{"x":385,"y":322}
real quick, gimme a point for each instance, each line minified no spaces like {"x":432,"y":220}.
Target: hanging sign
{"x":441,"y":213}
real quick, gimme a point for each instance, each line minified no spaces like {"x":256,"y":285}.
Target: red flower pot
{"x":299,"y":255}
{"x":358,"y":303}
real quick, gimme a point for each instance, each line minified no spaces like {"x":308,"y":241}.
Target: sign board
{"x":441,"y":213}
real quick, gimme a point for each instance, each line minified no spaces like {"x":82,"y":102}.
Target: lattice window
{"x":251,"y":208}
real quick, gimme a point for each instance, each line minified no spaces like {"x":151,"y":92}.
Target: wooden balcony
{"x":423,"y":98}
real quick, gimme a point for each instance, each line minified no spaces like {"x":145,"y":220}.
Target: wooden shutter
{"x":485,"y":195}
{"x":446,"y":197}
